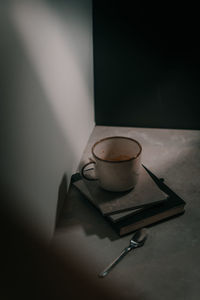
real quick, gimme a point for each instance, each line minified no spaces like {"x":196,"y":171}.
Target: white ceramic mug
{"x":117,"y":162}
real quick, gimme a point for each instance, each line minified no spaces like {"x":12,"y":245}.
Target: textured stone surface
{"x":168,"y":266}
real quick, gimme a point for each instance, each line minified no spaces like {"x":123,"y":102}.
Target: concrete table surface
{"x":168,"y":265}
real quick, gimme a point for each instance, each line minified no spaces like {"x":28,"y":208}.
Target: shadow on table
{"x":78,"y":211}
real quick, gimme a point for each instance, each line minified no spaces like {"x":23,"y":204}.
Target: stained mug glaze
{"x":117,"y":162}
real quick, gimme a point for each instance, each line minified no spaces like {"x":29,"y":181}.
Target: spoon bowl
{"x":139,"y":238}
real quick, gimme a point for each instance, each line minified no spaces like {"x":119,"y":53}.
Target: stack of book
{"x":151,"y":201}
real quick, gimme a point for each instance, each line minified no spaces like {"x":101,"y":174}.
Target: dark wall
{"x":146,"y":64}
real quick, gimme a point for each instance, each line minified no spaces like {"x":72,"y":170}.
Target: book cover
{"x":173,"y":206}
{"x":144,"y":194}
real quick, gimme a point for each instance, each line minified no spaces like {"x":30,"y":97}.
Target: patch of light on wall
{"x":50,"y":44}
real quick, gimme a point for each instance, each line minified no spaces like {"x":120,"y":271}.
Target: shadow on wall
{"x":42,"y":138}
{"x":37,"y":152}
{"x":62,"y":197}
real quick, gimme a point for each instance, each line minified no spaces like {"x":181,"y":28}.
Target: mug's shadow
{"x":73,"y":209}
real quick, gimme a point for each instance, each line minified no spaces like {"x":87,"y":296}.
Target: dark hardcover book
{"x":130,"y":219}
{"x":173,"y":206}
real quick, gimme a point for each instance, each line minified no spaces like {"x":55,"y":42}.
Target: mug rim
{"x":118,"y":161}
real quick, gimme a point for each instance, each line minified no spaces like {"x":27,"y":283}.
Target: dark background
{"x":146,"y":64}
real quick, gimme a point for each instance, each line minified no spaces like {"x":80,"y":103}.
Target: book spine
{"x":150,"y":221}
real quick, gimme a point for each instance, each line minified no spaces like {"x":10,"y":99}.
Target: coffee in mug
{"x":117,"y":162}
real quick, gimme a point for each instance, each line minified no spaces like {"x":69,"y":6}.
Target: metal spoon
{"x":137,"y":240}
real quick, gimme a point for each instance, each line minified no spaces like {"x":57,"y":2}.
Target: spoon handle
{"x":115,"y":261}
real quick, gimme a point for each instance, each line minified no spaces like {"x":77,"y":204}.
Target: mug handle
{"x":83,"y":171}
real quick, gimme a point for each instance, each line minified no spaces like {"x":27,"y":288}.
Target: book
{"x":134,"y":218}
{"x":171,"y":207}
{"x":144,"y":194}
